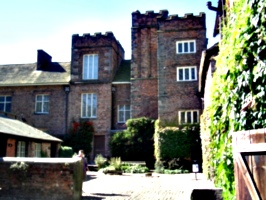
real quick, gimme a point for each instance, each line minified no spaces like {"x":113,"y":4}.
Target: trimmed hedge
{"x":175,"y":148}
{"x":136,"y":142}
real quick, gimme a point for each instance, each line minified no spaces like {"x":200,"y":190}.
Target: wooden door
{"x":249,"y":148}
{"x":99,"y":145}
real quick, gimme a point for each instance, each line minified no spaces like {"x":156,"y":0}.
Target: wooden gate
{"x":249,"y":148}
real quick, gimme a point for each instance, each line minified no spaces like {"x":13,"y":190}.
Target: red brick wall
{"x":173,"y":95}
{"x":11,"y":147}
{"x":144,"y":99}
{"x":23,"y":105}
{"x":102,"y":123}
{"x":144,"y":89}
{"x":121,"y":96}
{"x":55,"y":178}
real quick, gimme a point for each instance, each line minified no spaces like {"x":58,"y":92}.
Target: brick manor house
{"x":160,"y":81}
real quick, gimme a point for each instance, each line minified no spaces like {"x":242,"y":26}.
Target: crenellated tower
{"x":165,"y":47}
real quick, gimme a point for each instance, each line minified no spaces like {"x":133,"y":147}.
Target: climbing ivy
{"x":238,"y":93}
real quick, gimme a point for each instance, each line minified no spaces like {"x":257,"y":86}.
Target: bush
{"x":136,"y":143}
{"x":100,"y":161}
{"x":80,"y":136}
{"x":116,"y":163}
{"x":174,"y":148}
{"x":65,"y":152}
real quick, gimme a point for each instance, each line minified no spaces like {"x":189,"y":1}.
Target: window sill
{"x":38,"y":113}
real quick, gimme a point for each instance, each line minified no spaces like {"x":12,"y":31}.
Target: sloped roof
{"x":123,"y":72}
{"x":18,"y":128}
{"x":27,"y":74}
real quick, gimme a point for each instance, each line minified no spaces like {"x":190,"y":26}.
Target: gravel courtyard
{"x":140,"y":187}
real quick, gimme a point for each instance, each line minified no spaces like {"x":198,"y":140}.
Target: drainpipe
{"x":67,"y":90}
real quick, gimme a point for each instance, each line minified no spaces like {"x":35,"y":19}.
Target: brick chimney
{"x":43,"y":60}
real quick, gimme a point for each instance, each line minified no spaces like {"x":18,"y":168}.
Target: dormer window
{"x":90,"y":67}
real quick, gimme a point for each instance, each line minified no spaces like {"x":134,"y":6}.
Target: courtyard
{"x":140,"y":187}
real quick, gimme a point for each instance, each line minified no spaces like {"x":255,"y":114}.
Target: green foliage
{"x":174,"y":147}
{"x":135,"y":143}
{"x":20,"y":170}
{"x":65,"y":152}
{"x":238,"y":92}
{"x":134,"y":168}
{"x":80,"y":136}
{"x":100,"y":161}
{"x":116,"y":163}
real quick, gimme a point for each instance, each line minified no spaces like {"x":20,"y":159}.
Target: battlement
{"x":98,"y":38}
{"x":96,"y":35}
{"x":150,"y":18}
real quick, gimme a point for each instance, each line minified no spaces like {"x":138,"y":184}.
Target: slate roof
{"x":27,"y":74}
{"x":18,"y":128}
{"x":123,"y":72}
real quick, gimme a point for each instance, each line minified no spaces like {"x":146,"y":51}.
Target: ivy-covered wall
{"x":238,"y":94}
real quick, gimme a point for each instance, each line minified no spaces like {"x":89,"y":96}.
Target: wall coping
{"x":39,"y":160}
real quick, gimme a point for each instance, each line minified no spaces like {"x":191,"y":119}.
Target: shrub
{"x":136,"y":143}
{"x":116,"y":163}
{"x":80,"y":136}
{"x":174,"y":148}
{"x":100,"y":161}
{"x":65,"y":152}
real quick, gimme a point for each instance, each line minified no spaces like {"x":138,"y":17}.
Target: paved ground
{"x":139,"y":187}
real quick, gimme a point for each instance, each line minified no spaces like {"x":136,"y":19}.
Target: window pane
{"x":38,"y":107}
{"x":183,"y":120}
{"x":127,"y":107}
{"x":8,"y":107}
{"x":45,"y":98}
{"x":94,"y":98}
{"x":2,"y":107}
{"x":195,"y":116}
{"x":90,"y":71}
{"x":191,"y":46}
{"x":85,"y":67}
{"x":180,"y":48}
{"x":8,"y":98}
{"x":95,"y":74}
{"x":2,"y":99}
{"x":189,"y":117}
{"x":180,"y":74}
{"x":127,"y":115}
{"x":121,"y":116}
{"x":45,"y":107}
{"x":187,"y":74}
{"x":38,"y":98}
{"x":185,"y":47}
{"x":193,"y":74}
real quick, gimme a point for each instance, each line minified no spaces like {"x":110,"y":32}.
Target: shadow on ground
{"x":97,"y":196}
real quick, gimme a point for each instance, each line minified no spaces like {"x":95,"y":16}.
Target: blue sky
{"x":28,"y":25}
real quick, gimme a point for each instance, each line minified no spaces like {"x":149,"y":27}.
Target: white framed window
{"x":37,"y":149}
{"x":42,"y":103}
{"x":88,"y":105}
{"x":21,"y":149}
{"x":123,"y":113}
{"x":186,"y":46}
{"x":186,"y":73}
{"x":5,"y":103}
{"x":90,"y":67}
{"x":188,"y":116}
